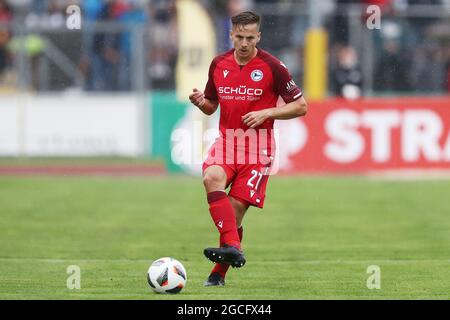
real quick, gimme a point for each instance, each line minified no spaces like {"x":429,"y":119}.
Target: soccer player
{"x":246,"y":82}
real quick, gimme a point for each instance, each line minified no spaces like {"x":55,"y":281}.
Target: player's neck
{"x":243,"y":62}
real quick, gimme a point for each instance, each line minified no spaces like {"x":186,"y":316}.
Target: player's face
{"x":245,"y":38}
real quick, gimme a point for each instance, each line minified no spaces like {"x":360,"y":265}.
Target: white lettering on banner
{"x":381,"y":123}
{"x":347,"y":144}
{"x":421,"y":132}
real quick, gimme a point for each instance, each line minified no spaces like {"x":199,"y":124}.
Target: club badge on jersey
{"x":257,"y":75}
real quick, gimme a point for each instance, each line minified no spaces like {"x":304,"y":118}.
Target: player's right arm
{"x":198,"y":99}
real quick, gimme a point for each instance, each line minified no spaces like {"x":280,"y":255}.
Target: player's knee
{"x":213,"y":179}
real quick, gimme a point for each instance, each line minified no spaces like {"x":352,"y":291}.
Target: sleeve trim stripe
{"x":298,"y":96}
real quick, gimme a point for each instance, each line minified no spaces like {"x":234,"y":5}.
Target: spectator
{"x":105,"y":58}
{"x":5,"y":17}
{"x":391,"y":72}
{"x":394,"y":44}
{"x":5,"y":11}
{"x":38,"y":7}
{"x":92,"y":10}
{"x":347,"y":77}
{"x":119,"y":7}
{"x":429,"y":68}
{"x":339,"y":26}
{"x":33,"y":47}
{"x":133,"y":15}
{"x":164,"y":44}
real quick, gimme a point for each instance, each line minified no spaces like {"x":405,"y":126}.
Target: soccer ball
{"x":166,"y":275}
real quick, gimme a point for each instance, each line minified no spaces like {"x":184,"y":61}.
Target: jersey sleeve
{"x":210,"y":89}
{"x":284,"y":85}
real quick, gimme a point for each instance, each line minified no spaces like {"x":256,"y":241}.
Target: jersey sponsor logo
{"x":252,"y":193}
{"x":257,"y":75}
{"x":225,"y":73}
{"x":220,"y":224}
{"x":290,"y":86}
{"x":242,"y":90}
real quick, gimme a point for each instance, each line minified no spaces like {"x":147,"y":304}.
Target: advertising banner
{"x":70,"y":126}
{"x":336,"y":136}
{"x":340,"y":136}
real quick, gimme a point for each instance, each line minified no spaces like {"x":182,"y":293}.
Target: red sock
{"x":224,"y":218}
{"x":222,"y":268}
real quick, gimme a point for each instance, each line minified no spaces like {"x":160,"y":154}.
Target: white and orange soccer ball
{"x":167,"y":275}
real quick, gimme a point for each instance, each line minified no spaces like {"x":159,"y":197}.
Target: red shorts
{"x":248,"y":180}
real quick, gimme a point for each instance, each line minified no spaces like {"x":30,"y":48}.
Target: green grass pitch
{"x":315,"y":238}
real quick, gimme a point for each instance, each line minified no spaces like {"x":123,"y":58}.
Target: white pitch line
{"x":410,"y":175}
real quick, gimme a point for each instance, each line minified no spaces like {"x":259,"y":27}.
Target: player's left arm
{"x":294,"y":109}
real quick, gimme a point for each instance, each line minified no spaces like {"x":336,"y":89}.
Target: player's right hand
{"x":197,"y":98}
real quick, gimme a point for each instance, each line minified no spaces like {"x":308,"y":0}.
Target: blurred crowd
{"x":111,"y":30}
{"x":410,"y":53}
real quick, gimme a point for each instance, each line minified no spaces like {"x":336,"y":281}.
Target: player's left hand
{"x":256,"y":118}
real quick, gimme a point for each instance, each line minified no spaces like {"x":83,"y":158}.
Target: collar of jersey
{"x":243,"y":65}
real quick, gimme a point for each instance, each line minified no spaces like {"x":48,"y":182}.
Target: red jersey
{"x":252,"y":87}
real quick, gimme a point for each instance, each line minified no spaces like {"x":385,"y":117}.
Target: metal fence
{"x":94,"y":59}
{"x":409,"y":54}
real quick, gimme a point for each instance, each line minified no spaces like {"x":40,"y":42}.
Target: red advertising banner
{"x":340,"y":136}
